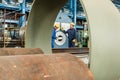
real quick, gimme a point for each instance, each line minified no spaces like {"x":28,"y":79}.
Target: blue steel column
{"x":23,"y":7}
{"x":71,"y":7}
{"x":75,"y":11}
{"x":8,"y":1}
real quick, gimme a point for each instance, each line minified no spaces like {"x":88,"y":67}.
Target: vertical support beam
{"x":75,"y":11}
{"x":71,"y":7}
{"x":22,"y":19}
{"x":4,"y":27}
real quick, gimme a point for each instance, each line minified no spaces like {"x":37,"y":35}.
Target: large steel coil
{"x":43,"y":67}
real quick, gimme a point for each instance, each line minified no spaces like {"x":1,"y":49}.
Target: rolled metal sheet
{"x":19,"y":51}
{"x":104,"y":22}
{"x":43,"y":67}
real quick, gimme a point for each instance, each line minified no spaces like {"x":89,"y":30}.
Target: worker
{"x":55,"y":28}
{"x":71,"y":35}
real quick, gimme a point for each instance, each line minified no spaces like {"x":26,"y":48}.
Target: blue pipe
{"x":75,"y":11}
{"x":9,"y":7}
{"x":117,"y":5}
{"x":22,"y":19}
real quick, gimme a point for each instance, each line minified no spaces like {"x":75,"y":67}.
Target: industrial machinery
{"x":61,"y":40}
{"x":13,"y":16}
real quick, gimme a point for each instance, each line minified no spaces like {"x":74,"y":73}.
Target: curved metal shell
{"x":43,"y":67}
